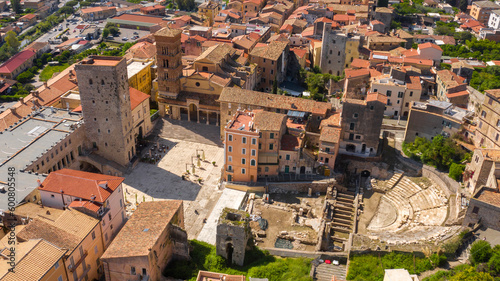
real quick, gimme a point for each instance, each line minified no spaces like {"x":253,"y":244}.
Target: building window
{"x":229,"y":168}
{"x":243,"y":171}
{"x":498,"y":123}
{"x":244,"y":140}
{"x":411,"y":94}
{"x":230,"y":148}
{"x":483,"y":114}
{"x":60,"y":278}
{"x":230,"y":159}
{"x":271,"y":146}
{"x":389,"y":93}
{"x":351,"y":126}
{"x":132,"y":270}
{"x":266,"y":169}
{"x":144,"y":272}
{"x":252,"y":162}
{"x":243,"y":151}
{"x":371,"y":107}
{"x":271,"y":135}
{"x":243,"y":161}
{"x":96,"y":250}
{"x":93,"y":235}
{"x":355,"y":115}
{"x":475,"y":210}
{"x":56,"y":266}
{"x":230,"y":137}
{"x":254,"y":152}
{"x":254,"y":141}
{"x":287,"y":157}
{"x":358,"y":137}
{"x":407,"y":104}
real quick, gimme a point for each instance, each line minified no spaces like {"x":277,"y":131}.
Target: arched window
{"x":252,"y":162}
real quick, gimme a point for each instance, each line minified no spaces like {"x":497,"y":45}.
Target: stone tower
{"x":168,"y":57}
{"x":105,"y":99}
{"x":233,"y":233}
{"x":332,"y":51}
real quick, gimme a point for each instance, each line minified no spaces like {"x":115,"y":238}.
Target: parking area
{"x":129,"y":34}
{"x":168,"y":178}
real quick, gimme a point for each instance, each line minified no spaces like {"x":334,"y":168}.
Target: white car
{"x":125,"y":39}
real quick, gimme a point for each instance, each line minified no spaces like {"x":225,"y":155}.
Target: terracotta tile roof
{"x":36,"y":262}
{"x":417,"y":61}
{"x":17,"y":60}
{"x":414,"y":83}
{"x":143,"y":229}
{"x":166,"y":31}
{"x":359,"y":63}
{"x":429,"y":45}
{"x":446,"y":39}
{"x":351,"y":73}
{"x":214,"y":276}
{"x":254,"y":35}
{"x":332,"y":121}
{"x":403,"y":34}
{"x":330,"y":134}
{"x":81,"y":184}
{"x":449,"y":78}
{"x":376,"y":96}
{"x":286,"y":27}
{"x":85,"y":204}
{"x":489,"y":196}
{"x":28,"y":17}
{"x":494,"y":93}
{"x":374,"y":22}
{"x":386,"y":39}
{"x":97,"y":9}
{"x":142,"y":50}
{"x":216,"y":53}
{"x":457,"y":94}
{"x":236,"y":95}
{"x":323,"y":19}
{"x":308,"y":31}
{"x":152,"y":8}
{"x":299,"y":52}
{"x":67,"y":231}
{"x":244,"y":41}
{"x":273,"y":51}
{"x":290,"y":142}
{"x":268,"y":121}
{"x":136,"y":97}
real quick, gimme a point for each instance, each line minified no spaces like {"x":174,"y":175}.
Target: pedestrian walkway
{"x":230,"y":198}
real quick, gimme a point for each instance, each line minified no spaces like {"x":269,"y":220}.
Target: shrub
{"x":456,"y":171}
{"x":480,"y":252}
{"x":438,"y":260}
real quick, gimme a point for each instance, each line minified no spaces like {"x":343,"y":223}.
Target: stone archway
{"x":88,"y":167}
{"x":193,"y":112}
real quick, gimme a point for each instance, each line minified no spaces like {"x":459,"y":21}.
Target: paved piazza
{"x":163,"y":180}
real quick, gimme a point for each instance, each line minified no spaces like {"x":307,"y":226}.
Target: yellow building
{"x":76,"y":234}
{"x":351,"y":50}
{"x":140,"y":74}
{"x":316,"y":51}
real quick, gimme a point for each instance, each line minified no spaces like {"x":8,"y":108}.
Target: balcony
{"x":85,"y":272}
{"x":75,"y":266}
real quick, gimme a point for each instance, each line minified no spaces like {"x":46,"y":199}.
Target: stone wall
{"x":283,"y":187}
{"x":488,"y":214}
{"x":441,"y":179}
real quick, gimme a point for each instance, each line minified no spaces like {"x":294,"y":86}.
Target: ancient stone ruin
{"x":233,"y":233}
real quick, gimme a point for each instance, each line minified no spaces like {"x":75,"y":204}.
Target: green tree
{"x":471,"y":274}
{"x":105,"y":33}
{"x":25,"y":77}
{"x":67,"y":10}
{"x":11,"y":40}
{"x":494,"y":263}
{"x":480,"y":252}
{"x":462,"y":5}
{"x":16,"y":6}
{"x":275,"y":86}
{"x":456,"y":171}
{"x":383,"y":3}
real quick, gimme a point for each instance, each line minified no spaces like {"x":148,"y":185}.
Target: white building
{"x":399,"y":274}
{"x":494,"y":21}
{"x":97,"y":195}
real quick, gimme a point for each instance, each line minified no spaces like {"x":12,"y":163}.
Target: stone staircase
{"x":325,"y":272}
{"x":394,"y":179}
{"x":429,"y":198}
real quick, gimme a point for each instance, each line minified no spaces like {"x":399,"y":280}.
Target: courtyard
{"x":168,"y":178}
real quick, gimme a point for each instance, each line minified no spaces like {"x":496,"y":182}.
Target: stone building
{"x":451,"y":88}
{"x":487,"y":132}
{"x":481,"y":10}
{"x":103,"y":86}
{"x":169,"y":65}
{"x":149,"y":241}
{"x":441,"y":118}
{"x":361,"y":123}
{"x":484,"y":208}
{"x":384,"y":15}
{"x":485,"y":164}
{"x":338,"y":50}
{"x":232,"y":237}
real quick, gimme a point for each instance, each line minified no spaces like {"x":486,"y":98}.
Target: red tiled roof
{"x":136,"y":97}
{"x":359,"y":63}
{"x":376,"y":96}
{"x":97,"y":9}
{"x":429,"y":45}
{"x":290,"y":142}
{"x":28,"y":17}
{"x":85,"y":204}
{"x":139,"y":18}
{"x":17,"y":60}
{"x":299,"y":52}
{"x":457,"y":94}
{"x":81,"y":184}
{"x":323,"y":19}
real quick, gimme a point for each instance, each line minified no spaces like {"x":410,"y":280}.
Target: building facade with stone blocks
{"x":441,"y":118}
{"x":338,"y":50}
{"x":484,"y":208}
{"x":148,"y":242}
{"x":484,"y":167}
{"x":97,"y":195}
{"x":487,"y":132}
{"x":360,"y":137}
{"x":232,"y":237}
{"x":103,"y":86}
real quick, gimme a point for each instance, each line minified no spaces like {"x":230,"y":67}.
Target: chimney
{"x":45,"y":84}
{"x":21,"y":99}
{"x":39,"y":183}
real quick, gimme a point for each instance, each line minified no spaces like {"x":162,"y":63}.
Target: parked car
{"x":125,"y":39}
{"x":136,"y":33}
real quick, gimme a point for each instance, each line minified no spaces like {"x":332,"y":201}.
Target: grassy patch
{"x":258,"y":264}
{"x":49,"y":70}
{"x":371,"y":267}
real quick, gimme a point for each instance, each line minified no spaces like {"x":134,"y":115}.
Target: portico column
{"x":198,"y":115}
{"x":189,"y":114}
{"x":217,"y":120}
{"x":208,"y":118}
